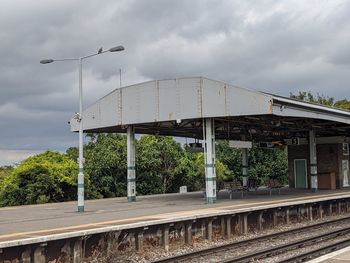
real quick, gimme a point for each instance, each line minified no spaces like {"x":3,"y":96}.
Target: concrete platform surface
{"x":340,"y":256}
{"x":33,"y":221}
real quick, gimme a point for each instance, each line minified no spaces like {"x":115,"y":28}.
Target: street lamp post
{"x":79,"y":117}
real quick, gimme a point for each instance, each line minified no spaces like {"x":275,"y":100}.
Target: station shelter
{"x":209,"y":110}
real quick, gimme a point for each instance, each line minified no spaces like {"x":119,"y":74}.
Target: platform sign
{"x":240,"y":144}
{"x":295,"y":141}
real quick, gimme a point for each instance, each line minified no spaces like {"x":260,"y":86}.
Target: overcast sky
{"x":274,"y":46}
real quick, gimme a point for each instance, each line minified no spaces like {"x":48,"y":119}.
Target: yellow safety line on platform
{"x":165,"y":215}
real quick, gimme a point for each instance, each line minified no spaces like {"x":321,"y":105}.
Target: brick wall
{"x":329,"y":159}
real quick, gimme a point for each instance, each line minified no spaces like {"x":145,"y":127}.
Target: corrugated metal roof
{"x":194,"y":98}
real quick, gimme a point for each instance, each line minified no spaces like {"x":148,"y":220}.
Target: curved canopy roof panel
{"x":178,"y":106}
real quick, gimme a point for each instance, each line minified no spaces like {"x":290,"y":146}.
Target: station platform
{"x":339,"y":256}
{"x":22,"y":224}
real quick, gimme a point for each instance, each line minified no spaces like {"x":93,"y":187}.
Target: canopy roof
{"x":177,"y":107}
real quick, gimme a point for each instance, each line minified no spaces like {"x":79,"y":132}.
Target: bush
{"x":47,"y":177}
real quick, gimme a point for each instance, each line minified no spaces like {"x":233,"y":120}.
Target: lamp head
{"x":117,"y":48}
{"x":46,"y":61}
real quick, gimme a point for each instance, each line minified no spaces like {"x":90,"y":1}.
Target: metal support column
{"x":313,"y":160}
{"x":245,"y":166}
{"x":131,"y":164}
{"x":210,"y":170}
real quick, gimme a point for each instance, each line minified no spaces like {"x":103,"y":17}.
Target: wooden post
{"x":39,"y":255}
{"x":260,"y":219}
{"x":26,"y":256}
{"x":275,"y":217}
{"x":209,"y":229}
{"x":320,"y":211}
{"x":299,"y":214}
{"x":78,"y":251}
{"x":243,"y":224}
{"x":222,"y":224}
{"x":287,"y":216}
{"x":228,"y":227}
{"x":139,"y":241}
{"x":310,"y":215}
{"x":188,"y":233}
{"x":165,"y":238}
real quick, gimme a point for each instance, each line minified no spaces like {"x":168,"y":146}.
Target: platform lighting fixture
{"x":79,"y":116}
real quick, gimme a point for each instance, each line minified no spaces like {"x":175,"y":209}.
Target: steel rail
{"x":277,"y":250}
{"x":216,"y":249}
{"x":317,"y":252}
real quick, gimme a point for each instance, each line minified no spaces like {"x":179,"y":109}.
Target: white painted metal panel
{"x":139,"y":103}
{"x":245,"y":102}
{"x":169,"y":100}
{"x":92,"y":117}
{"x":190,"y":103}
{"x":303,"y":113}
{"x":214,"y":98}
{"x":109,"y":109}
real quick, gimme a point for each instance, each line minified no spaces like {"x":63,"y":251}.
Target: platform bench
{"x":252,"y":184}
{"x":274,"y":184}
{"x":234,"y":186}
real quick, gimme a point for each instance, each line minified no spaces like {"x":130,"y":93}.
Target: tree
{"x":5,"y":171}
{"x":157,"y":158}
{"x":268,"y":163}
{"x":343,"y":104}
{"x":263,"y":163}
{"x":105,"y":165}
{"x":321,"y":99}
{"x":309,"y":97}
{"x":46,"y":177}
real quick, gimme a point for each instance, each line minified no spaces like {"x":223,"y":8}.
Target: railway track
{"x":277,"y":250}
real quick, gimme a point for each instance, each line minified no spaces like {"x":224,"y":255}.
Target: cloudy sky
{"x":274,"y":46}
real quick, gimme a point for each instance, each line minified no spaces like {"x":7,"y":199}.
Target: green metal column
{"x":210,"y":170}
{"x":313,"y":160}
{"x":131,"y":164}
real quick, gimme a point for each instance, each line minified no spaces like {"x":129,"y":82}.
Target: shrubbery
{"x":162,"y":166}
{"x":47,"y":177}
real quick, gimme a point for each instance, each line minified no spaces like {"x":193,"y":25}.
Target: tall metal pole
{"x":80,"y":117}
{"x":81,"y":155}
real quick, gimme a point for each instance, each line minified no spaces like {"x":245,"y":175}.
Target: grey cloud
{"x":275,"y":46}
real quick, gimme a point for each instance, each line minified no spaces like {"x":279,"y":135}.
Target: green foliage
{"x":47,"y":177}
{"x":309,"y":97}
{"x":322,"y":99}
{"x":105,"y":156}
{"x":343,"y":104}
{"x":157,"y":158}
{"x":263,"y":163}
{"x":267,"y":163}
{"x":5,"y":171}
{"x":232,"y":158}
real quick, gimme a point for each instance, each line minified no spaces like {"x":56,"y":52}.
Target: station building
{"x":208,"y":110}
